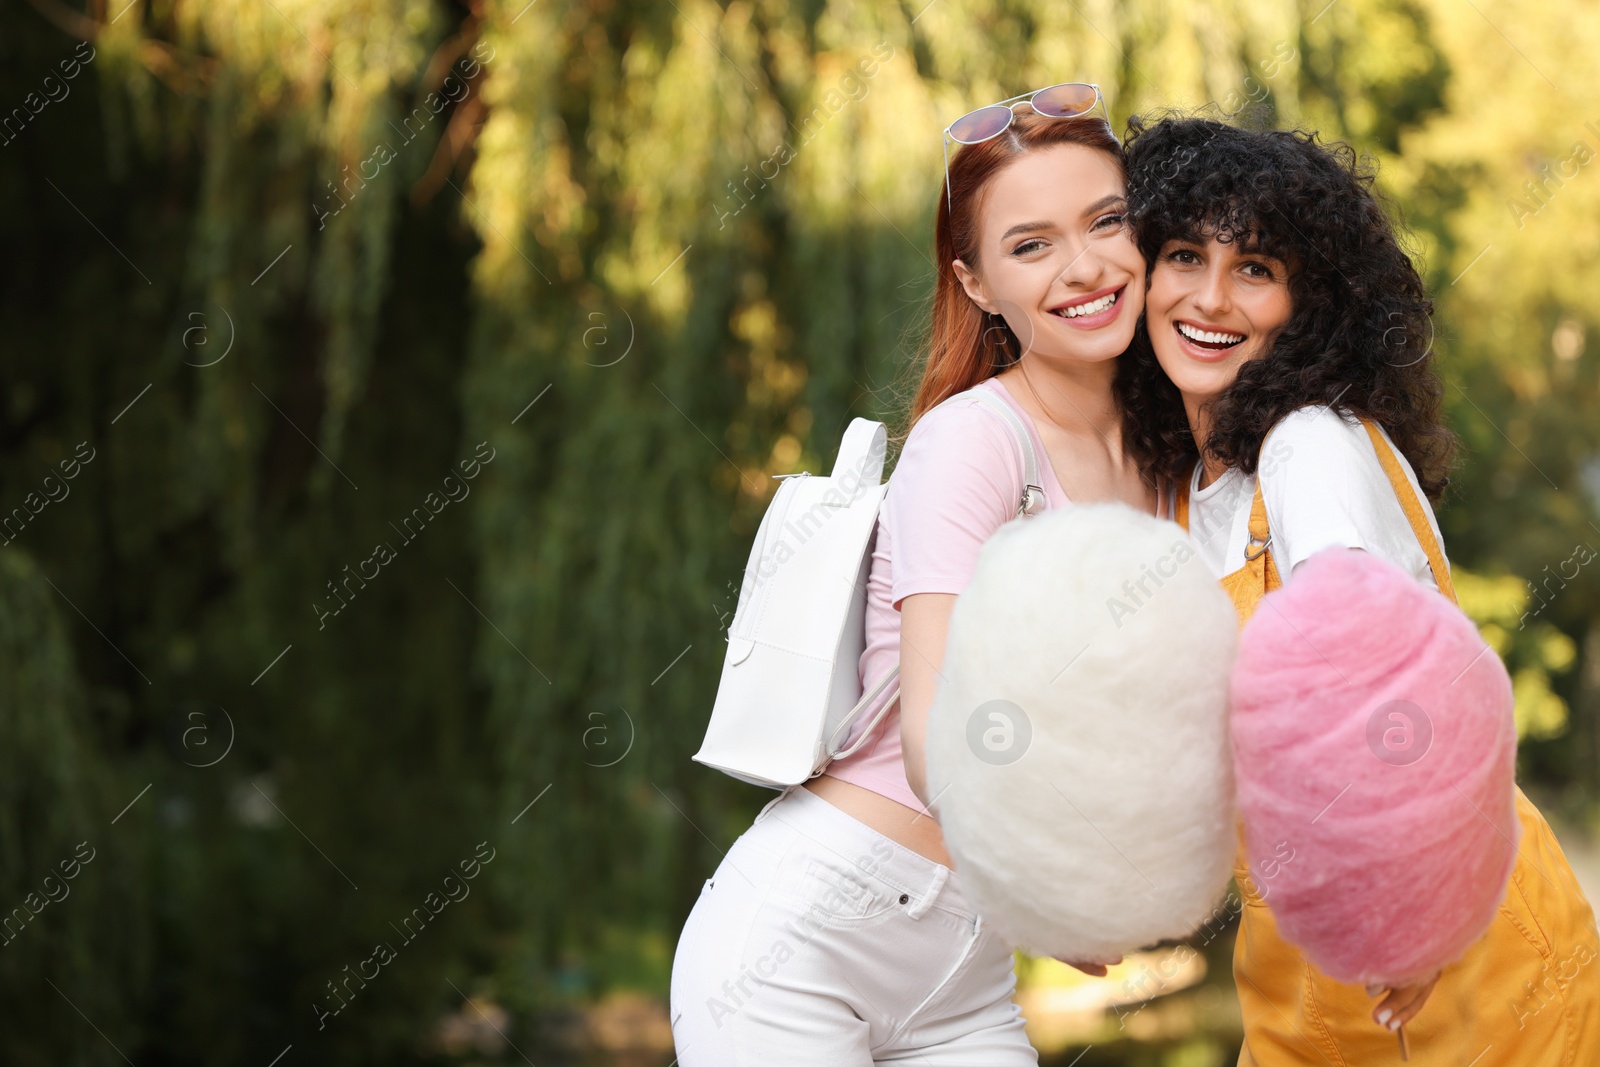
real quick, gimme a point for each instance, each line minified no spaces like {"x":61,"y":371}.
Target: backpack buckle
{"x":1033,"y":501}
{"x":1249,"y":555}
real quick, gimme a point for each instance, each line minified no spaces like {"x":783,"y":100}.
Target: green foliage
{"x":648,"y":256}
{"x":75,"y":911}
{"x":1533,"y":653}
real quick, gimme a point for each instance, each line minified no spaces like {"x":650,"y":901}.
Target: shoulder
{"x":957,"y":481}
{"x":962,"y":411}
{"x":958,"y":459}
{"x":960,"y":424}
{"x":1317,"y":444}
{"x":1313,"y":430}
{"x":1324,"y":485}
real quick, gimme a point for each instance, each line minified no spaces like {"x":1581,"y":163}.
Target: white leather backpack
{"x":791,"y":686}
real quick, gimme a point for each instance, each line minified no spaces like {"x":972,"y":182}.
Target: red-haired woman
{"x":835,"y":930}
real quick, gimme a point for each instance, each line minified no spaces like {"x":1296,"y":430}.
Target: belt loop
{"x":925,"y":901}
{"x":762,"y":814}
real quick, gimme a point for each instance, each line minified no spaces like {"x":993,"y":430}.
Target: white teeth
{"x":1208,"y":337}
{"x":1091,"y":308}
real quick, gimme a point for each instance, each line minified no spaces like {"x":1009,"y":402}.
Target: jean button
{"x":904,"y":898}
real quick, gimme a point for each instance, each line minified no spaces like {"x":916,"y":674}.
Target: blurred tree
{"x":1505,"y":176}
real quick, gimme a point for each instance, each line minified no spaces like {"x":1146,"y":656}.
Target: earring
{"x":995,"y":334}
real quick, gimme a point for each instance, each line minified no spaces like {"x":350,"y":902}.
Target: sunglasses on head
{"x":1069,"y":100}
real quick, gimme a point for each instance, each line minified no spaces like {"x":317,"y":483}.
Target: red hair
{"x":961,"y":351}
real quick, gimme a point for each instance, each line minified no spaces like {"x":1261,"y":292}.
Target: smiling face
{"x":1211,"y":309}
{"x":1054,"y":257}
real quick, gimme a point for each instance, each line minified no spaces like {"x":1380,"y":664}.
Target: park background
{"x":607,"y":268}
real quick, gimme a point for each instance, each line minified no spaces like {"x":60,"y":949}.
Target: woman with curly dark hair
{"x":1285,"y":378}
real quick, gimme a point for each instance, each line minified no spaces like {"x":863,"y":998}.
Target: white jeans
{"x":819,"y":942}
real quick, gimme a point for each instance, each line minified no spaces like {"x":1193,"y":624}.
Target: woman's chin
{"x":1198,"y":381}
{"x":1095,"y":347}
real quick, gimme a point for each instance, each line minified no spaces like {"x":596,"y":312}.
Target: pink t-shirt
{"x":958,"y":480}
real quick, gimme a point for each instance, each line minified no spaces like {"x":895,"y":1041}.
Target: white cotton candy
{"x":1091,"y":812}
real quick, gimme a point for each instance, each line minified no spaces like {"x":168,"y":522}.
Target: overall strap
{"x":1413,"y":509}
{"x":1259,"y":535}
{"x":1260,"y":539}
{"x":1180,"y":506}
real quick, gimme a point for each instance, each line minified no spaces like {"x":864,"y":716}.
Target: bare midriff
{"x":905,"y":826}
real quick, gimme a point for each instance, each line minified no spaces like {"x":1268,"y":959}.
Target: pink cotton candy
{"x":1374,"y":751}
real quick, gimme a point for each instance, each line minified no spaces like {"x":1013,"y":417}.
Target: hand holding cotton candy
{"x":1373,"y":736}
{"x":1077,"y":745}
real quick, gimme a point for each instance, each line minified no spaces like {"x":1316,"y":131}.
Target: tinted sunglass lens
{"x":980,"y":125}
{"x":1064,"y":101}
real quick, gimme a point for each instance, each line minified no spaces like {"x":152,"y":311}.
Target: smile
{"x":1208,"y":340}
{"x":1093,"y":310}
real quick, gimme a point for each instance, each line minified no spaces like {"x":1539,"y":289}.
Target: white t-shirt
{"x":1323,"y":485}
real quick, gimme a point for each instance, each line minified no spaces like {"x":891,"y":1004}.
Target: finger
{"x":1387,"y":1008}
{"x":1409,"y":1012}
{"x":1401,"y":1004}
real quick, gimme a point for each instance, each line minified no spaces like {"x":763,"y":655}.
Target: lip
{"x":1204,"y":355}
{"x":1099,"y":319}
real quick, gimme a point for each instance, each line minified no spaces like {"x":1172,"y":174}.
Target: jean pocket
{"x":832,"y":894}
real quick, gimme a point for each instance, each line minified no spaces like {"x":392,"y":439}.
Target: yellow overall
{"x":1526,"y":994}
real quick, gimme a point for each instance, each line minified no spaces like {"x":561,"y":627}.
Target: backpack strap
{"x":1033,"y":499}
{"x":866,"y":699}
{"x":861,"y":454}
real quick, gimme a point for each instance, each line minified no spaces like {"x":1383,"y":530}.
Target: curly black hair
{"x":1360,"y":336}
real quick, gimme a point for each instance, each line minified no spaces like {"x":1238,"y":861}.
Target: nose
{"x":1212,"y":298}
{"x":1083,"y":267}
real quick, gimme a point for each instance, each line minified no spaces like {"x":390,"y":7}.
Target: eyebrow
{"x":1026,"y":227}
{"x":1034,"y":227}
{"x":1105,"y":202}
